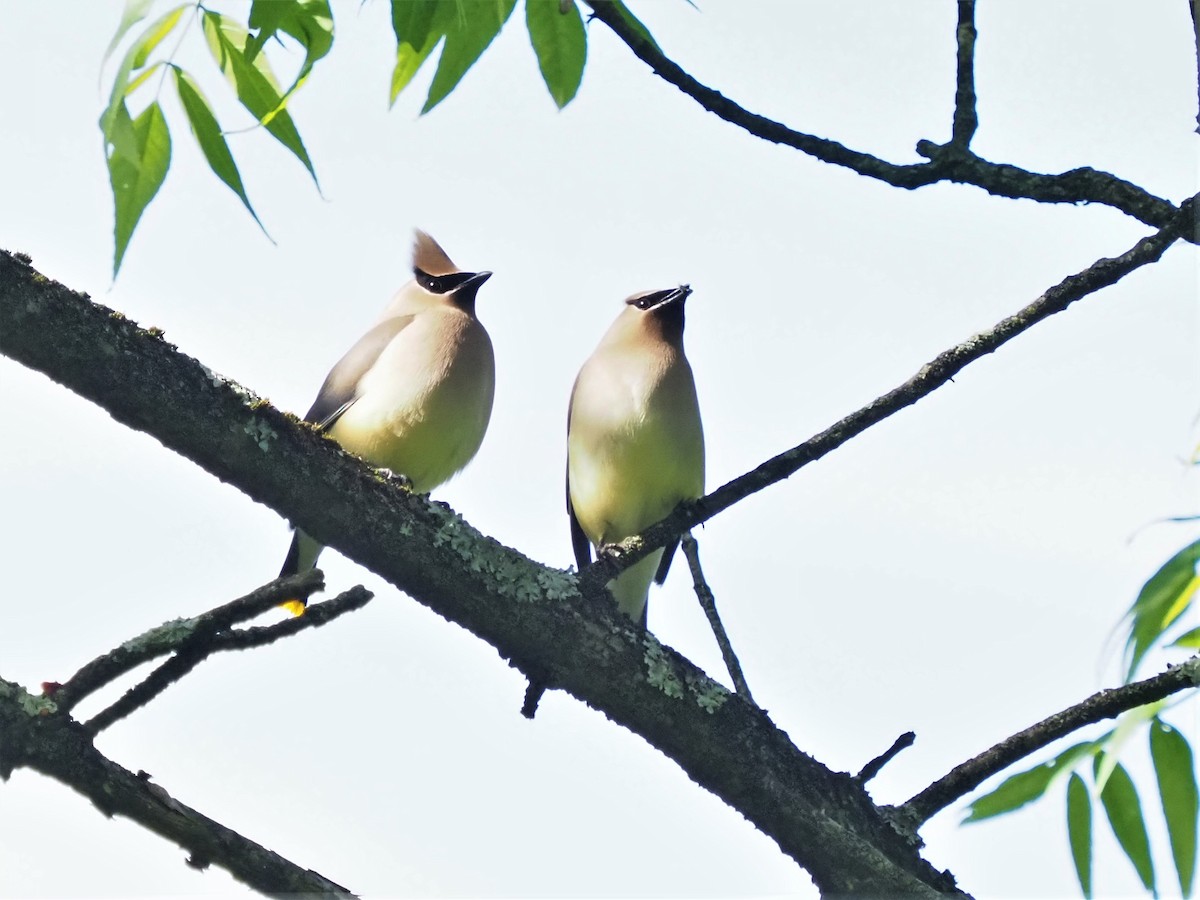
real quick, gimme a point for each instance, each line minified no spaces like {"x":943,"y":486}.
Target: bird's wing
{"x":579,"y":540}
{"x":340,"y":389}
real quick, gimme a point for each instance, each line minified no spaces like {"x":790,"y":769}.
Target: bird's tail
{"x":302,"y":556}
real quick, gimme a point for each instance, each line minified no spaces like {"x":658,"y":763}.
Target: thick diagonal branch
{"x":948,"y":163}
{"x":1109,"y":704}
{"x":34,"y":735}
{"x":929,"y":378}
{"x":533,"y":615}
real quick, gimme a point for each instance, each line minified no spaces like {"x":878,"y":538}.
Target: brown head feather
{"x":429,"y":257}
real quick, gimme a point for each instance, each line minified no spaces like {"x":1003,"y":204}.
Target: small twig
{"x":966,"y":119}
{"x":146,"y":690}
{"x":873,"y":768}
{"x":1196,"y":31}
{"x":1108,"y":704}
{"x":316,"y":615}
{"x":170,"y":636}
{"x":931,"y":376}
{"x":709,"y":604}
{"x":202,"y":645}
{"x":533,"y":696}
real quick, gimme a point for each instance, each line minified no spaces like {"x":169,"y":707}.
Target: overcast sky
{"x":957,"y":571}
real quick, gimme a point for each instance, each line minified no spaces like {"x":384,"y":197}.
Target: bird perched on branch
{"x":635,"y":444}
{"x":414,"y":395}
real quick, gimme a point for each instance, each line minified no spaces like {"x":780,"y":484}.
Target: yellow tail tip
{"x":295,"y":607}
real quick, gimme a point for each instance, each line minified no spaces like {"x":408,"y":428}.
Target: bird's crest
{"x":429,"y":257}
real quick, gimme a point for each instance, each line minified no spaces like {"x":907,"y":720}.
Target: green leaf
{"x":134,"y":12}
{"x":309,"y":22}
{"x":145,"y":75}
{"x":1129,"y":723}
{"x":136,"y":57}
{"x":1189,"y":639}
{"x":475,"y":25}
{"x":254,"y":83}
{"x":138,"y":159}
{"x":1079,"y":831}
{"x":208,"y":136}
{"x":560,"y":43}
{"x":415,"y":23}
{"x":1176,"y":774}
{"x":1120,"y":800}
{"x":1162,"y":600}
{"x":634,"y":23}
{"x":1025,"y":787}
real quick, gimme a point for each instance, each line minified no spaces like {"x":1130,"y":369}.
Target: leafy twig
{"x":1108,"y":704}
{"x":709,"y":604}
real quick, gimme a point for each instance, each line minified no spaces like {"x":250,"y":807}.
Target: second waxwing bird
{"x":414,"y":395}
{"x":635,"y":444}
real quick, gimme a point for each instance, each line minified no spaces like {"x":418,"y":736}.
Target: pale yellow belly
{"x":424,"y":412}
{"x":622,"y":485}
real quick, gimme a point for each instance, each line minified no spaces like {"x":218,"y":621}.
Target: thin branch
{"x":34,"y":735}
{"x":947,"y":163}
{"x":966,"y":120}
{"x":1104,"y":705}
{"x":709,"y":604}
{"x":1195,"y":4}
{"x":146,"y":690}
{"x":170,"y":636}
{"x":316,"y":615}
{"x":875,"y":766}
{"x":194,"y":649}
{"x":1104,"y":272}
{"x":534,"y":692}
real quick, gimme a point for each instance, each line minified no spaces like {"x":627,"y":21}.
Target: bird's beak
{"x":678,"y":295}
{"x":475,"y":280}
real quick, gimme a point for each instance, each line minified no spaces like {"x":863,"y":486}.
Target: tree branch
{"x":170,"y":636}
{"x":1196,"y":33}
{"x":34,"y":735}
{"x":708,"y":603}
{"x":875,"y":766}
{"x":947,"y":162}
{"x":193,"y":649}
{"x":1100,"y":706}
{"x":937,"y":372}
{"x":966,"y":119}
{"x":535,"y":616}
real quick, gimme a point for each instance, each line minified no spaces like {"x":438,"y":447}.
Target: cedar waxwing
{"x":635,"y":445}
{"x":414,"y":395}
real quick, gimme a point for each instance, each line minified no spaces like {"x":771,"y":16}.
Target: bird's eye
{"x":645,"y":303}
{"x":431,"y":283}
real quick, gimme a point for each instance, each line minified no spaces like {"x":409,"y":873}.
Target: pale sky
{"x":956,"y":571}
